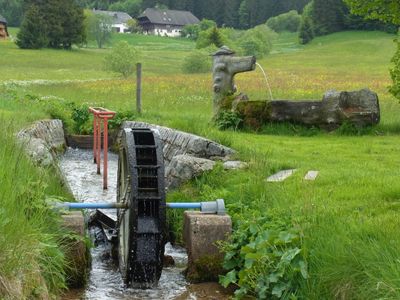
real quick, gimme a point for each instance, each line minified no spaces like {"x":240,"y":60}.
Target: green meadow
{"x":348,"y":216}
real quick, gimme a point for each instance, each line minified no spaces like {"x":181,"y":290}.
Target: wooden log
{"x":360,"y":108}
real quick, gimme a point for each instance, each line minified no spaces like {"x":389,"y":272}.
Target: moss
{"x":254,"y":113}
{"x":206,"y":268}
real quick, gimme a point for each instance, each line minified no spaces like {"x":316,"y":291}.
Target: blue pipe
{"x":187,"y":205}
{"x":217,"y":206}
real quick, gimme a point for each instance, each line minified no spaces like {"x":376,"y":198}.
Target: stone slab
{"x":201,"y":233}
{"x":311,"y":175}
{"x":281,"y":175}
{"x":77,"y":253}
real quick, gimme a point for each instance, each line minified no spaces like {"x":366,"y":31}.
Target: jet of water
{"x":266,"y":80}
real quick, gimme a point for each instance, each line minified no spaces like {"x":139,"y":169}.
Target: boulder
{"x":182,"y":168}
{"x":43,"y":140}
{"x":234,"y":165}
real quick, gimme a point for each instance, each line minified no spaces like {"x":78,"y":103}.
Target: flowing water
{"x":266,"y":80}
{"x":105,"y":281}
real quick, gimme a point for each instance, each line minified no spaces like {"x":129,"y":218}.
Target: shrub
{"x":122,"y":59}
{"x":212,"y":36}
{"x":257,"y":41}
{"x":228,"y":120}
{"x":192,"y":31}
{"x":265,"y":259}
{"x":197,"y":62}
{"x":395,"y":73}
{"x":289,"y":21}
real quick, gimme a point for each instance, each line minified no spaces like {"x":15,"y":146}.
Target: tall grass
{"x":31,"y":256}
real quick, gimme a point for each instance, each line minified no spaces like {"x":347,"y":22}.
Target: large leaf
{"x":229,"y":278}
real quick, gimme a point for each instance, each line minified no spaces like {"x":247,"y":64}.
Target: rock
{"x":235,"y":165}
{"x":168,"y":261}
{"x":281,"y":175}
{"x":182,"y":168}
{"x":43,"y":140}
{"x":311,"y":175}
{"x":201,"y":232}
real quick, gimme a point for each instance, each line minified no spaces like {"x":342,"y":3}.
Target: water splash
{"x":266,"y":80}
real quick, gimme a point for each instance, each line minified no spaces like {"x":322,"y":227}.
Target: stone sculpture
{"x":359,"y":108}
{"x":225,"y":67}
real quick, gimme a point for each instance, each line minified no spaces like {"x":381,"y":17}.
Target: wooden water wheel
{"x":141,"y":225}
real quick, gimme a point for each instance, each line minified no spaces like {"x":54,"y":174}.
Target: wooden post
{"x":139,"y":88}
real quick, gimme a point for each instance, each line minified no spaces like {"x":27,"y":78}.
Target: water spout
{"x":266,"y":80}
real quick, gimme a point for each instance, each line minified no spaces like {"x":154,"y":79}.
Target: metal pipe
{"x":211,"y":207}
{"x":190,"y":205}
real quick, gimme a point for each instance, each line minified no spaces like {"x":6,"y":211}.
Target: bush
{"x":257,"y":41}
{"x":289,"y":21}
{"x":197,"y":62}
{"x":395,"y":73}
{"x":122,"y":59}
{"x":265,"y":259}
{"x":209,"y":37}
{"x":228,"y":120}
{"x":192,"y":31}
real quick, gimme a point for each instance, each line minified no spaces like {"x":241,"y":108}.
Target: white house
{"x":120,"y":19}
{"x":165,"y":22}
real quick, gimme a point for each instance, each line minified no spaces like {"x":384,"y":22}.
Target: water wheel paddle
{"x":141,"y":225}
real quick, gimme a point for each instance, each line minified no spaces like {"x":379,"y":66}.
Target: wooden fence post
{"x":139,"y":88}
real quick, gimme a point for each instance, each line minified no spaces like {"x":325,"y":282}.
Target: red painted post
{"x":94,"y":137}
{"x":98,"y":114}
{"x":98,"y":157}
{"x":105,"y":151}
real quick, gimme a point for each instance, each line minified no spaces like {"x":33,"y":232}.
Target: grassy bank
{"x":347,"y":219}
{"x":31,"y":250}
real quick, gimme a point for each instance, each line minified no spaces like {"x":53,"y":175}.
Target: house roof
{"x":3,"y":20}
{"x":119,"y":17}
{"x":169,"y":17}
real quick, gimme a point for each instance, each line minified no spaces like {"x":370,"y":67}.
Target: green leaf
{"x":273,"y":277}
{"x":289,"y":255}
{"x":253,"y":229}
{"x":303,"y":269}
{"x":229,"y":278}
{"x":279,"y":289}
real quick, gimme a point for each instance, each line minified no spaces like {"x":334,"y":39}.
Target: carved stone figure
{"x":225,"y":67}
{"x":360,"y":108}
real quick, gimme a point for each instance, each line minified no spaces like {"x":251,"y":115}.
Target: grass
{"x":31,"y":256}
{"x":348,"y":216}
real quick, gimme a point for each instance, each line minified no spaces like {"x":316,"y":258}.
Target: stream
{"x":105,"y":281}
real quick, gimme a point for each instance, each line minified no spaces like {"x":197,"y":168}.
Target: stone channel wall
{"x":43,"y":141}
{"x":178,"y":142}
{"x":185,"y":155}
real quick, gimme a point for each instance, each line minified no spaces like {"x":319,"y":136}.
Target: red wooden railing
{"x":100,"y":114}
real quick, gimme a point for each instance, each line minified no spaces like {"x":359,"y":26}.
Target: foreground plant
{"x":265,"y":259}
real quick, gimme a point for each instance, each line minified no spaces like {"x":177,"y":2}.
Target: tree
{"x":328,"y":16}
{"x":306,"y":29}
{"x":122,"y":59}
{"x":99,"y":28}
{"x":32,"y":34}
{"x":12,"y":11}
{"x":209,"y":37}
{"x":63,"y":21}
{"x":386,"y":11}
